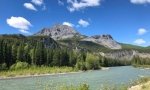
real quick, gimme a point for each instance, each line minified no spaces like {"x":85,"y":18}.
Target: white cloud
{"x":60,"y":2}
{"x":25,"y":31}
{"x":29,"y":6}
{"x":83,"y":23}
{"x":76,"y":5}
{"x":142,"y":31}
{"x":140,"y":1}
{"x":68,"y":24}
{"x":19,"y":23}
{"x":139,"y":41}
{"x":38,"y":2}
{"x":44,"y":7}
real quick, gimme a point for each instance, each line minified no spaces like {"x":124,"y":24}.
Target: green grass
{"x":36,"y":71}
{"x":84,"y":87}
{"x":80,"y":87}
{"x":141,"y":81}
{"x":135,"y":47}
{"x":141,"y":66}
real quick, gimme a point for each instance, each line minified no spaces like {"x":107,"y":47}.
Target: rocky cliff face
{"x":58,"y":32}
{"x":121,"y":54}
{"x":125,"y":54}
{"x":105,"y":40}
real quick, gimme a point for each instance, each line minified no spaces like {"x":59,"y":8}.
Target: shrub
{"x":3,"y":66}
{"x":80,"y":87}
{"x":84,"y":87}
{"x":92,"y":61}
{"x":140,"y":81}
{"x":81,"y":66}
{"x":19,"y":65}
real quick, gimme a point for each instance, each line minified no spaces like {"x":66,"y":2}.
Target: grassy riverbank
{"x":141,"y":66}
{"x":39,"y":71}
{"x":86,"y":87}
{"x":35,"y":71}
{"x":141,"y":84}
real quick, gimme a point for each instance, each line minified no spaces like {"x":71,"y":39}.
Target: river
{"x":114,"y":76}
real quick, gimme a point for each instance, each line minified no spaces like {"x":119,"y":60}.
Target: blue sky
{"x":128,"y":21}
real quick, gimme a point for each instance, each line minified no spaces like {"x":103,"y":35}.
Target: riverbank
{"x":141,"y":84}
{"x":145,"y":86}
{"x":39,"y":71}
{"x":94,"y":79}
{"x":37,"y":75}
{"x":142,"y":66}
{"x":36,"y":71}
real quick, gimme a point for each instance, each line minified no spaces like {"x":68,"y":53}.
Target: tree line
{"x":41,"y":51}
{"x":140,"y":61}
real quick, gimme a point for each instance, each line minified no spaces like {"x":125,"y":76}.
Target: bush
{"x":19,"y":65}
{"x":140,"y":61}
{"x":80,"y":87}
{"x":3,"y":66}
{"x":84,"y":87}
{"x":81,"y":66}
{"x":92,"y":61}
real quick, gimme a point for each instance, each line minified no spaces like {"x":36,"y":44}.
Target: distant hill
{"x":31,"y":40}
{"x":135,"y":47}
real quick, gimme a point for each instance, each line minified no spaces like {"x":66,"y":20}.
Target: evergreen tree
{"x":9,"y":61}
{"x":56,"y":58}
{"x":14,"y":53}
{"x":72,"y":58}
{"x":39,"y":54}
{"x":49,"y":58}
{"x":1,"y":52}
{"x":32,"y":56}
{"x":64,"y":58}
{"x":26,"y":54}
{"x":20,"y":53}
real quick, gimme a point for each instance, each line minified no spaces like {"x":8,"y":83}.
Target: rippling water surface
{"x":113,"y":76}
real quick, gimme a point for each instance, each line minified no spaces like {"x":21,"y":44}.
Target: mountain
{"x":58,"y":32}
{"x":83,"y":45}
{"x":63,"y":36}
{"x":105,"y":40}
{"x":31,"y":40}
{"x":62,"y":32}
{"x":126,"y":54}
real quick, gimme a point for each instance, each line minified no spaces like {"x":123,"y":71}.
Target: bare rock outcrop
{"x":105,"y":40}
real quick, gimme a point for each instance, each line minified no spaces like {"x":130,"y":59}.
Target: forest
{"x":18,"y":51}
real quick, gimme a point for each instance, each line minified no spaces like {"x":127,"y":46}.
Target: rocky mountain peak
{"x":105,"y":40}
{"x":58,"y":32}
{"x":104,"y":36}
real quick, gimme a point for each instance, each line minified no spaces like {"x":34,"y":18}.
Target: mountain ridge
{"x":60,"y":32}
{"x":127,"y":52}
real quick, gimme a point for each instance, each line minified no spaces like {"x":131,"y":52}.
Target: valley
{"x":61,"y":50}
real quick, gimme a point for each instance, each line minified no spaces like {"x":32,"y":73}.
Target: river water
{"x":114,"y":76}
